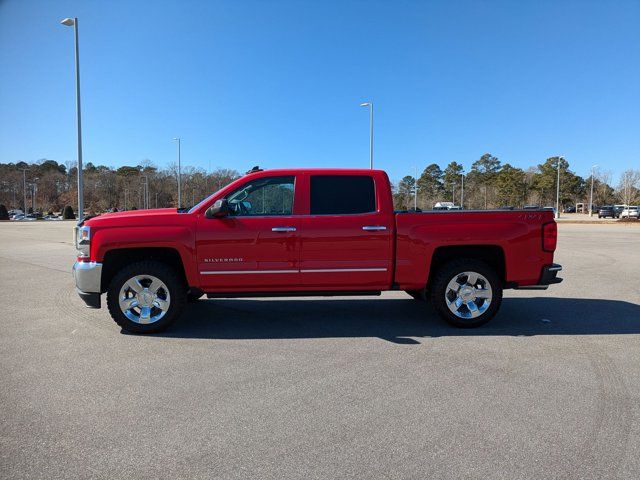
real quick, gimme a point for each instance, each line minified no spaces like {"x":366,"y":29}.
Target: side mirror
{"x":218,"y":209}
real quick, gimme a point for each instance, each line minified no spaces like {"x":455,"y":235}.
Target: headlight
{"x":83,"y":236}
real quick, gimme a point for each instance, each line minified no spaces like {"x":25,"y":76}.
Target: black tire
{"x":417,"y":294}
{"x":173,"y":281}
{"x":447,"y":273}
{"x":194,"y":297}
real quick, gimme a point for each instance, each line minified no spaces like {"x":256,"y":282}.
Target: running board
{"x":532,"y":287}
{"x":329,"y":293}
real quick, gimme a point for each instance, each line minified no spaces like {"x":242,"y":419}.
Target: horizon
{"x":279,"y":84}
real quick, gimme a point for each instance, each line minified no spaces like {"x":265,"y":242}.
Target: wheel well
{"x":490,"y":254}
{"x":115,"y":259}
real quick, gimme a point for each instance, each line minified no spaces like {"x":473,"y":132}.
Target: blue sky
{"x":278,"y":83}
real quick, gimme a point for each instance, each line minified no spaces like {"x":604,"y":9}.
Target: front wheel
{"x":466,"y":293}
{"x":146,"y":297}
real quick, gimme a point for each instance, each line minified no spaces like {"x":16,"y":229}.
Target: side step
{"x":328,"y":293}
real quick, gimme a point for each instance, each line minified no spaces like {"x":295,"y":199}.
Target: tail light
{"x":549,"y":236}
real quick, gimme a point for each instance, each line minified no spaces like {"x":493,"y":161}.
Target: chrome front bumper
{"x":87,"y":276}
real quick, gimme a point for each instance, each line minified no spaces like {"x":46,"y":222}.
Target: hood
{"x":131,"y":216}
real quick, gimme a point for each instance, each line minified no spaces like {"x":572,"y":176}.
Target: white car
{"x":629,"y":212}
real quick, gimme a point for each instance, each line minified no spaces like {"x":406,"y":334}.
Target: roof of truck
{"x":336,"y":171}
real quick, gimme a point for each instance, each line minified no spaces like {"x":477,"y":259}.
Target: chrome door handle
{"x":374,"y":228}
{"x":283,"y":229}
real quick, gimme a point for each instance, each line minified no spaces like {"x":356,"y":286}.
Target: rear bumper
{"x":549,"y":276}
{"x":87,"y":276}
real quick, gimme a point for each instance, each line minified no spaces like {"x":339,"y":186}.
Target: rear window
{"x":342,"y":194}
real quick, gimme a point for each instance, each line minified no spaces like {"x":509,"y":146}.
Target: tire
{"x":486,"y":301}
{"x":193,"y":297}
{"x":163,"y":304}
{"x":417,"y":294}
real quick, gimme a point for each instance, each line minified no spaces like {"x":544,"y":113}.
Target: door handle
{"x":374,"y":228}
{"x":283,"y":229}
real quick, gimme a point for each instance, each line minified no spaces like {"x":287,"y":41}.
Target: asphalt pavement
{"x":365,"y":387}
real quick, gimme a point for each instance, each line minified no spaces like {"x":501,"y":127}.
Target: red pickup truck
{"x":306,"y":232}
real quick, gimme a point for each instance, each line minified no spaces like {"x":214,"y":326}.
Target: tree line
{"x":492,"y":184}
{"x":49,"y":186}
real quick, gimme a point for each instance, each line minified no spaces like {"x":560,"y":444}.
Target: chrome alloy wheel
{"x":144,"y":299}
{"x":468,"y":295}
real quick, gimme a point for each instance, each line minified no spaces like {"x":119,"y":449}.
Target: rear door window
{"x":342,"y":194}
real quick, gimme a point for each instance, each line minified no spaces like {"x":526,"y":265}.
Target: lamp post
{"x":24,"y":189}
{"x":558,"y":189}
{"x":179,"y":175}
{"x":34,"y":190}
{"x":370,"y":105}
{"x":591,"y":194}
{"x":462,"y":192}
{"x":145,"y":192}
{"x":73,"y":22}
{"x":415,"y":190}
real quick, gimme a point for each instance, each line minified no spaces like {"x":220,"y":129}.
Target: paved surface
{"x":585,"y":218}
{"x":332,"y":388}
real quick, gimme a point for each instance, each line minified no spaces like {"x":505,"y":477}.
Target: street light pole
{"x":145,"y":192}
{"x":415,"y":191}
{"x":179,"y":175}
{"x":24,"y":189}
{"x":558,"y":190}
{"x":462,"y":192}
{"x":74,"y":22}
{"x":370,"y":105}
{"x":591,"y":194}
{"x":34,"y":189}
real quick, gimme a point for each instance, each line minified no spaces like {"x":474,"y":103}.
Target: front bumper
{"x":88,"y":276}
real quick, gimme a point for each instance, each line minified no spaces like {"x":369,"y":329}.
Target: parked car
{"x":446,"y":206}
{"x":570,"y":209}
{"x":630,"y":212}
{"x":607,"y":211}
{"x":618,"y":209}
{"x":309,"y":232}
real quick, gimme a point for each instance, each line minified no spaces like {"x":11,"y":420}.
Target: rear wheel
{"x":466,"y":293}
{"x":145,"y":297}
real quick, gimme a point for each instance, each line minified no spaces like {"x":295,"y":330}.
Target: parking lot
{"x":323,"y":388}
